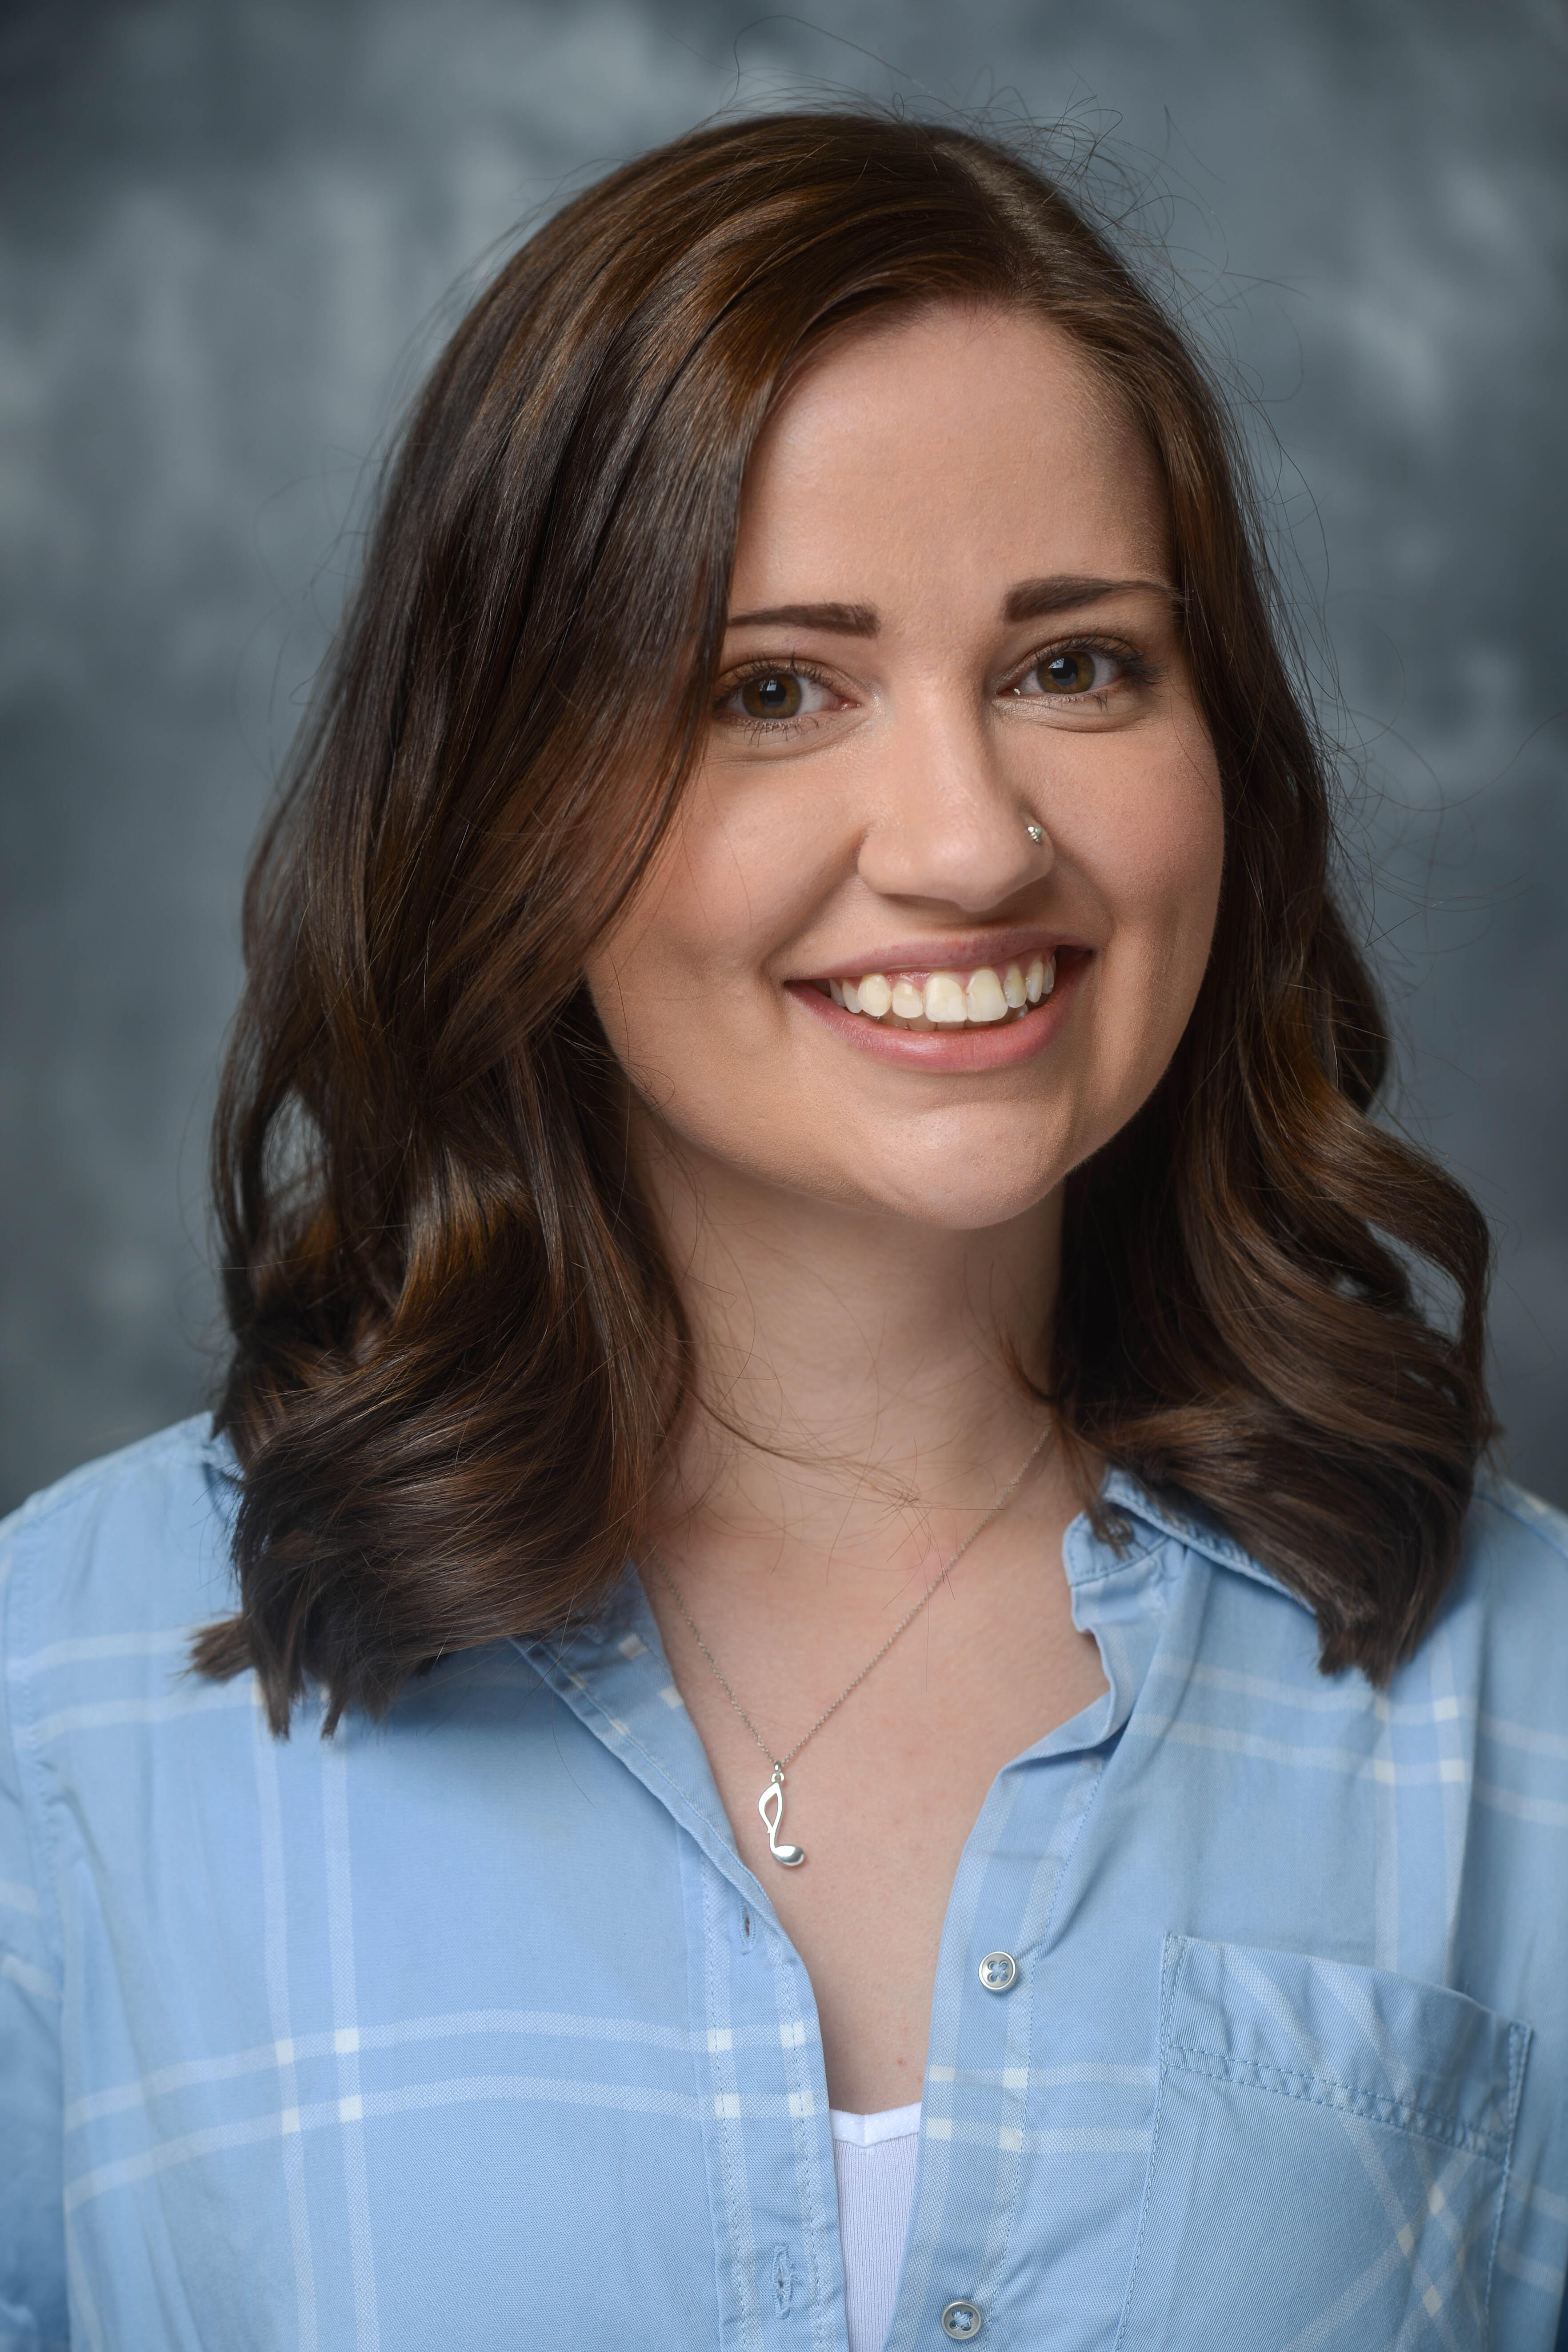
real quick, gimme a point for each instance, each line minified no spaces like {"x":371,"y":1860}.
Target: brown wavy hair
{"x":459,"y":1357}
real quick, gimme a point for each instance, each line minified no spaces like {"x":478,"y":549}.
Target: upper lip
{"x":945,"y":951}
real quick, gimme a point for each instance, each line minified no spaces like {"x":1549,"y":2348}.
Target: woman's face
{"x":951,"y":621}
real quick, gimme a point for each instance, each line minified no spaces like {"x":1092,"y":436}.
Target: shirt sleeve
{"x":33,"y":2312}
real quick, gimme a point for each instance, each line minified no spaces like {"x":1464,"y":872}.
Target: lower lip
{"x":984,"y":1046}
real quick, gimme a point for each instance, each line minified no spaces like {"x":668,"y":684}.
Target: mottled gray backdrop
{"x":231,"y":232}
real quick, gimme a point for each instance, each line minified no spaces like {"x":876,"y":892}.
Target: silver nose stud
{"x":1036,"y":833}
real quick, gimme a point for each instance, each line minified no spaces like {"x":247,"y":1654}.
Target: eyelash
{"x":1136,"y":670}
{"x":762,"y":667}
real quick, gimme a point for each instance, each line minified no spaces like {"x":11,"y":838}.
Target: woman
{"x":907,"y":1723}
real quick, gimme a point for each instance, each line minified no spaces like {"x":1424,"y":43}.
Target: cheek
{"x":1172,"y":873}
{"x":694,"y":936}
{"x":746,"y":864}
{"x":1157,"y":858}
{"x":1159,"y":841}
{"x":678,"y":931}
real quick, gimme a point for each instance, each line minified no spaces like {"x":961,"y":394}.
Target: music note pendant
{"x":769,"y":1804}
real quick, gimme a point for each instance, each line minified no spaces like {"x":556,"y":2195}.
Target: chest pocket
{"x":1330,"y":2150}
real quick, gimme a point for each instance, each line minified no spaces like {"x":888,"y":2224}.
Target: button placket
{"x":963,"y":2320}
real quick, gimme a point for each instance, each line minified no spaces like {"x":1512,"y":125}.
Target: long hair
{"x":459,"y":1357}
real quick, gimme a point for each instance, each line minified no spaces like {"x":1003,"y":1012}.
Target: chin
{"x":964,"y":1201}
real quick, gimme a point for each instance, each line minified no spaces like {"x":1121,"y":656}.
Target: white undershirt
{"x":874,"y":2162}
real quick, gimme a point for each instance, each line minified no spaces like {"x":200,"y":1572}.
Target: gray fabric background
{"x":229,"y":234}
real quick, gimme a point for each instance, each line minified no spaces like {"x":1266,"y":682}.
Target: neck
{"x":858,"y":1401}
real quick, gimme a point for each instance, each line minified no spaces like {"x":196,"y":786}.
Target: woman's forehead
{"x":979,"y":445}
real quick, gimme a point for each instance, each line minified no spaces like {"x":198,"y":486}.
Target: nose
{"x":950,"y":826}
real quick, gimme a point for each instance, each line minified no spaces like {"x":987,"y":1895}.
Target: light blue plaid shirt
{"x":473,"y":2031}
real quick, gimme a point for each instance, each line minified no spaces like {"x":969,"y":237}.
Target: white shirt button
{"x":998,"y":1970}
{"x":963,"y":2321}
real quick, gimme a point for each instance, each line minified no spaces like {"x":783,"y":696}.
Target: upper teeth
{"x":947,"y":999}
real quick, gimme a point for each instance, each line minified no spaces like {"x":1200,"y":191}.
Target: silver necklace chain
{"x":770,"y":1804}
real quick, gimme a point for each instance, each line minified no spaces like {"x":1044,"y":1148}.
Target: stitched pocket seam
{"x":1315,"y":2090}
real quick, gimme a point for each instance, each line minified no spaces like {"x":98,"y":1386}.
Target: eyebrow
{"x":1031,"y":600}
{"x":839,"y":620}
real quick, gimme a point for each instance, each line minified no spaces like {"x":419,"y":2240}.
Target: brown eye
{"x":775,"y":695}
{"x":1067,"y":673}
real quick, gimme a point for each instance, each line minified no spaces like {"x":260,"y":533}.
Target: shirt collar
{"x":1118,"y":1584}
{"x":1128,"y":1499}
{"x":613,"y":1675}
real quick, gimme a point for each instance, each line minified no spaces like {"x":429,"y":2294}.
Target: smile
{"x":946,"y":1000}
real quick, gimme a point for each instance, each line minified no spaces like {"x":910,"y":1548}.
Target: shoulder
{"x":1508,"y":1605}
{"x":134,"y":1546}
{"x":1515,"y":1556}
{"x":1506,"y":1522}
